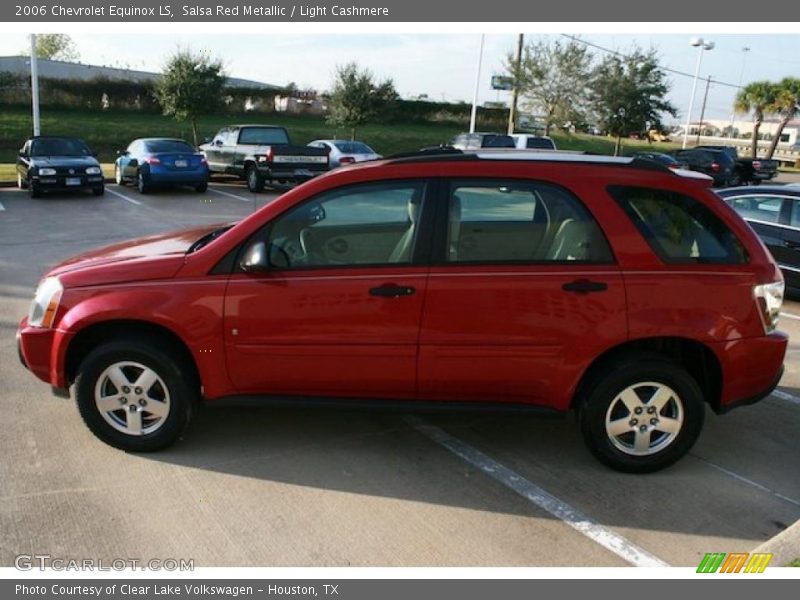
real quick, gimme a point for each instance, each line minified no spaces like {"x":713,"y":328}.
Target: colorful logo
{"x":735,"y":562}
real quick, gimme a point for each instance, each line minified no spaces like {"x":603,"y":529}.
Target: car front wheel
{"x":642,"y":416}
{"x":134,"y":395}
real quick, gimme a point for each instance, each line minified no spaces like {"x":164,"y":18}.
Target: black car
{"x":717,"y":164}
{"x":665,"y":159}
{"x":58,"y":164}
{"x":773,"y":211}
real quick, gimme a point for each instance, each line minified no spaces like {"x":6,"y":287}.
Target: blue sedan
{"x":150,"y":162}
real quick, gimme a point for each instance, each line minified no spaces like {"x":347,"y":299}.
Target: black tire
{"x":99,"y":190}
{"x":605,"y":391}
{"x":34,"y":191}
{"x":143,"y":183}
{"x":255,"y":181}
{"x":118,"y":178}
{"x":22,"y":183}
{"x":177,"y":376}
{"x":201,"y":188}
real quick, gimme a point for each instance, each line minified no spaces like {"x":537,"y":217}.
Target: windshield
{"x":353,"y":148}
{"x":168,"y":146}
{"x":263,"y":136}
{"x":498,"y":141}
{"x":59,"y":147}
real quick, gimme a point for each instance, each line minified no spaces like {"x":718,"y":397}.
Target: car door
{"x":23,"y":161}
{"x":338,"y":311}
{"x":213,"y":151}
{"x":769,"y":215}
{"x":523,"y":289}
{"x":790,"y":255}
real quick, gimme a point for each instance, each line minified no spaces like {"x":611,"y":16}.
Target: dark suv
{"x":616,"y":288}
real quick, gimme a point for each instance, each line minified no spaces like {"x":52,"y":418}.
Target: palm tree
{"x":755,"y":97}
{"x":787,"y":105}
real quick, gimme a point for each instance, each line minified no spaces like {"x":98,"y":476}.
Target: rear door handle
{"x":390,"y":290}
{"x":584,"y":286}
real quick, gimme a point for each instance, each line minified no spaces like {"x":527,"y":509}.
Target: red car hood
{"x":156,"y":256}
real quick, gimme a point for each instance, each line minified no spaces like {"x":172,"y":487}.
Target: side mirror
{"x":255,"y":259}
{"x":22,"y":154}
{"x":218,"y":142}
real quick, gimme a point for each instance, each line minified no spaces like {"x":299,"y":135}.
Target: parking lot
{"x":302,"y":487}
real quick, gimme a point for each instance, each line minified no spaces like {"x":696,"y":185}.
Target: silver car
{"x":345,"y":152}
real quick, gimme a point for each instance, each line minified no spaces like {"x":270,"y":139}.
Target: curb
{"x":785,"y":546}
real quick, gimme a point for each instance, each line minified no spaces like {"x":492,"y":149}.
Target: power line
{"x":668,"y":69}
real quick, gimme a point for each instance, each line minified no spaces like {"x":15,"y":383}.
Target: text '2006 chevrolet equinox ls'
{"x":617,"y":288}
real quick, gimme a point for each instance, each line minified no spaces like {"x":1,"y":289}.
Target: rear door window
{"x":499,"y":221}
{"x":679,"y":228}
{"x":759,"y":208}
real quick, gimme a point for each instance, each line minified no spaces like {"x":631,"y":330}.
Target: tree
{"x":629,"y":94}
{"x":756,"y":97}
{"x":54,"y":46}
{"x":786,"y":105}
{"x":191,"y":85}
{"x":552,"y":80}
{"x":356,"y":98}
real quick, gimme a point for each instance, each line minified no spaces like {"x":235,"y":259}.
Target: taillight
{"x":203,"y":160}
{"x":756,"y":164}
{"x":152,"y":160}
{"x":715,"y":167}
{"x":769,"y":297}
{"x":270,"y":154}
{"x":346,"y":160}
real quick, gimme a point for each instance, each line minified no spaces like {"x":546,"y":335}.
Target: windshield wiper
{"x":207,"y":239}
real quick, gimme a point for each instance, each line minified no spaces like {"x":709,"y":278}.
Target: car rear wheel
{"x":255,"y":182}
{"x":642,"y":416}
{"x":142,"y":183}
{"x":134,"y":395}
{"x":118,"y":178}
{"x":201,"y":188}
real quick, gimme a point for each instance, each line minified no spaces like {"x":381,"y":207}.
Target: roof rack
{"x":448,"y":153}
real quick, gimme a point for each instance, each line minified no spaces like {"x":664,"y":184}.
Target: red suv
{"x":615,"y":287}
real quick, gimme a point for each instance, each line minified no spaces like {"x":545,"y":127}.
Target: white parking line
{"x":790,"y":316}
{"x":786,"y":396}
{"x":215,"y":190}
{"x":2,"y":207}
{"x":124,"y":197}
{"x":570,"y":515}
{"x":744,"y":479}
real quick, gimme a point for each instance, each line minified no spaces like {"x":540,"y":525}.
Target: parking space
{"x":268,"y":487}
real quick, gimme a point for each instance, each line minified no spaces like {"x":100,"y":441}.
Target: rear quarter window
{"x":679,"y":228}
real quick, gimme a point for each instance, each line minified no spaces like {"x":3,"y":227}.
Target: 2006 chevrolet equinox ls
{"x":616,"y":288}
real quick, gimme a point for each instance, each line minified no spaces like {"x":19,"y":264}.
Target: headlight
{"x":47,"y":171}
{"x":45,"y":303}
{"x":769,"y":297}
{"x":93,"y":171}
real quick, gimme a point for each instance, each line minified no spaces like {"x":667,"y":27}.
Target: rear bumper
{"x":291,"y":172}
{"x":178,"y":177}
{"x":751,"y":369}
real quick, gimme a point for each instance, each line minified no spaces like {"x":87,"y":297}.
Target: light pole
{"x":745,"y":50}
{"x":474,"y":115}
{"x":702,"y":45}
{"x":35,"y":86}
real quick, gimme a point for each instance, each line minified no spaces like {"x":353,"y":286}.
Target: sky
{"x":442,"y":65}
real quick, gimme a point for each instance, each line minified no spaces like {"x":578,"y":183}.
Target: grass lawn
{"x":794,"y":563}
{"x":106,"y":132}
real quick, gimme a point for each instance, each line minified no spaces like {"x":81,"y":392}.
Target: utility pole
{"x":703,"y":111}
{"x":474,"y":116}
{"x":35,"y":86}
{"x":512,"y":113}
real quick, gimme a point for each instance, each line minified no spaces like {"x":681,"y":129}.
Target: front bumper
{"x":41,"y":351}
{"x":58,"y":183}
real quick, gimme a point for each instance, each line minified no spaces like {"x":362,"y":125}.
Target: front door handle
{"x":390,"y":290}
{"x":584,"y":286}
